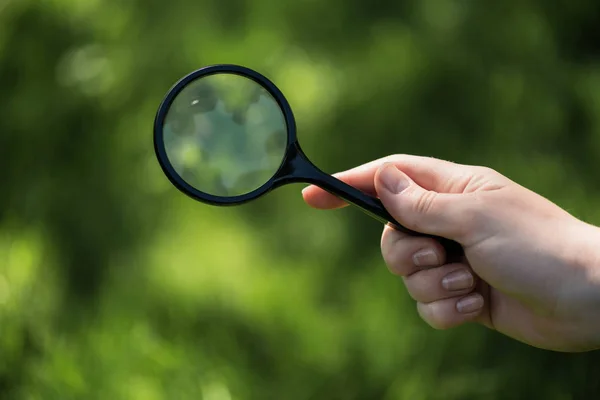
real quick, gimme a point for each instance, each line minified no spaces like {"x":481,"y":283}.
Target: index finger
{"x":428,"y":172}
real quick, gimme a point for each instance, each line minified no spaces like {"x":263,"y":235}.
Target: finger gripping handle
{"x":372,"y":206}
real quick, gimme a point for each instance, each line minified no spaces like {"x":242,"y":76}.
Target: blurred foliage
{"x":113,"y":285}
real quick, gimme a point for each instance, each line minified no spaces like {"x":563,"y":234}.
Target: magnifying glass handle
{"x":373,"y":207}
{"x":453,"y":249}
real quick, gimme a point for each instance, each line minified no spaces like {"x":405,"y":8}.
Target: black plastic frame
{"x":294,"y":168}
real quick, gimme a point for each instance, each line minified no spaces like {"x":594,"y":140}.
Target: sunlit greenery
{"x":114,"y":285}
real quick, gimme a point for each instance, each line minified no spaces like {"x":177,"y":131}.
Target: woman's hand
{"x":531,"y":270}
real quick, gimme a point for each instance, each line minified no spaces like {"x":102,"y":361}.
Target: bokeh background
{"x":114,"y":285}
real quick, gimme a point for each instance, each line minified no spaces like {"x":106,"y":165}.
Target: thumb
{"x":418,"y":209}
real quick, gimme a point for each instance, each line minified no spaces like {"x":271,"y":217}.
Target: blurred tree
{"x":114,"y":285}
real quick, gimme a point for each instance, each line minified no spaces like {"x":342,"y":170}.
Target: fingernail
{"x":458,"y":280}
{"x":392,"y":179}
{"x":426,"y":258}
{"x":470,"y":304}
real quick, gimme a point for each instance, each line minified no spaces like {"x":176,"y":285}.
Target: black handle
{"x":298,"y":168}
{"x":373,"y":206}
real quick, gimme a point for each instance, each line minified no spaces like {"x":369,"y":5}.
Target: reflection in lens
{"x":225,"y":135}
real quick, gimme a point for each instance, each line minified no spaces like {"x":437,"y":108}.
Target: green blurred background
{"x":114,"y":285}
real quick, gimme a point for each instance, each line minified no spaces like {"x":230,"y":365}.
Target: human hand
{"x":531,"y":270}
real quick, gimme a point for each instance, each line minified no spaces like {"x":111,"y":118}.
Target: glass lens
{"x":225,"y":135}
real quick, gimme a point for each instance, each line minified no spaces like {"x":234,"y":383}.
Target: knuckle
{"x":419,"y":290}
{"x":432,"y":316}
{"x":425,"y":202}
{"x":486,"y":171}
{"x":393,"y":257}
{"x":389,"y":250}
{"x":397,"y":252}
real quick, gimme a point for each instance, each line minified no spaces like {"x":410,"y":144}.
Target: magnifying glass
{"x":225,"y":135}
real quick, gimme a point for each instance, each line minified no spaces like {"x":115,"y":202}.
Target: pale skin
{"x":531,"y":270}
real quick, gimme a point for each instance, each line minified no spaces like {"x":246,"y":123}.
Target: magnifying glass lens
{"x":225,"y":135}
